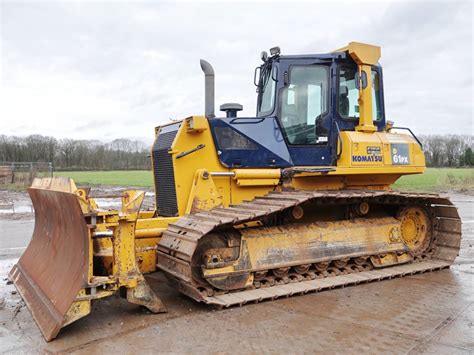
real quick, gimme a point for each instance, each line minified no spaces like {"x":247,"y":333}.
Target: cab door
{"x":304,"y":111}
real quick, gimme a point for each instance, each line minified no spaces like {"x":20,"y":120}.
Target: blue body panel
{"x":261,"y":139}
{"x":268,"y":149}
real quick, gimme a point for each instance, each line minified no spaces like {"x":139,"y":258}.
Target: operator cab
{"x":303,"y":102}
{"x":301,"y":95}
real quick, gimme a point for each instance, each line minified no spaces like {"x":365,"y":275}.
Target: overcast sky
{"x":104,"y":70}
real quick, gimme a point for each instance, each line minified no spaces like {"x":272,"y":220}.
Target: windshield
{"x":304,"y":103}
{"x":266,"y":89}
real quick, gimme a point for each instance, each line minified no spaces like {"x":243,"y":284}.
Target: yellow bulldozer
{"x":294,"y":200}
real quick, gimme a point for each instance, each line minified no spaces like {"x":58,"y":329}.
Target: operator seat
{"x":343,"y":101}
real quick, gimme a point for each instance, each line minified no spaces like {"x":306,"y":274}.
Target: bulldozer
{"x":296,"y":199}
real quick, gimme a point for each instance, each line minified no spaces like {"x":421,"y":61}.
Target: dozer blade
{"x":78,"y":253}
{"x":53,"y":268}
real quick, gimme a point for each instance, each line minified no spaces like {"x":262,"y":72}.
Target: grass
{"x":432,"y":180}
{"x":140,"y":178}
{"x":438,"y":179}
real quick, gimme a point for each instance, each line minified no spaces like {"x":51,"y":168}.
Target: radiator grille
{"x":166,"y":202}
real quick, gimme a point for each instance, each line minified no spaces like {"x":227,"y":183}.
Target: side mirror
{"x":256,"y":76}
{"x":361,"y":80}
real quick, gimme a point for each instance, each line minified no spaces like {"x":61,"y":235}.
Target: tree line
{"x":126,"y":154}
{"x":70,"y":154}
{"x":448,"y":150}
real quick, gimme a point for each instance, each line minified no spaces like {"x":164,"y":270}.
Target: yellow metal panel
{"x":267,"y":248}
{"x":185,"y":167}
{"x":361,"y":149}
{"x":368,"y":152}
{"x":370,"y":181}
{"x":132,"y":201}
{"x":365,"y":162}
{"x":311,"y":182}
{"x":204,"y":194}
{"x":362,"y":53}
{"x":296,"y":240}
{"x":146,"y":214}
{"x":77,"y":310}
{"x":196,"y":124}
{"x":146,"y":253}
{"x":366,"y":123}
{"x":152,"y":223}
{"x":124,"y":254}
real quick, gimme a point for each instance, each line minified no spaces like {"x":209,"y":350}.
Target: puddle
{"x":27,"y":207}
{"x":116,"y":202}
{"x":107,"y":203}
{"x":24,"y":207}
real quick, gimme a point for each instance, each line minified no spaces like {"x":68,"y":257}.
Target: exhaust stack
{"x":208,"y":88}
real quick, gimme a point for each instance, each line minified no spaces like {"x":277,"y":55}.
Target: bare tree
{"x":122,"y":154}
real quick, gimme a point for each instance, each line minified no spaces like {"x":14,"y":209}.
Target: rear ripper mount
{"x":78,"y":254}
{"x":213,"y":258}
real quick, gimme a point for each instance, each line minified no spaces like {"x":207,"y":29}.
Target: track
{"x":180,"y":241}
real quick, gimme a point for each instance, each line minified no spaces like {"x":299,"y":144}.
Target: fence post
{"x":13,"y":172}
{"x":31,"y":174}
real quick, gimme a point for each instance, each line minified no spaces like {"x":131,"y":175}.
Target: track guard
{"x":56,"y":275}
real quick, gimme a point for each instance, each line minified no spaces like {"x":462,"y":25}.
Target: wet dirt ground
{"x":427,"y":313}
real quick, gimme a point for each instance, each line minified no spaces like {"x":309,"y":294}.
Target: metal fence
{"x":21,"y":174}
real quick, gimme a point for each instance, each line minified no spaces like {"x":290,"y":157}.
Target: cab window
{"x":304,"y":101}
{"x":376,"y":96}
{"x":348,"y":100}
{"x":266,"y":99}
